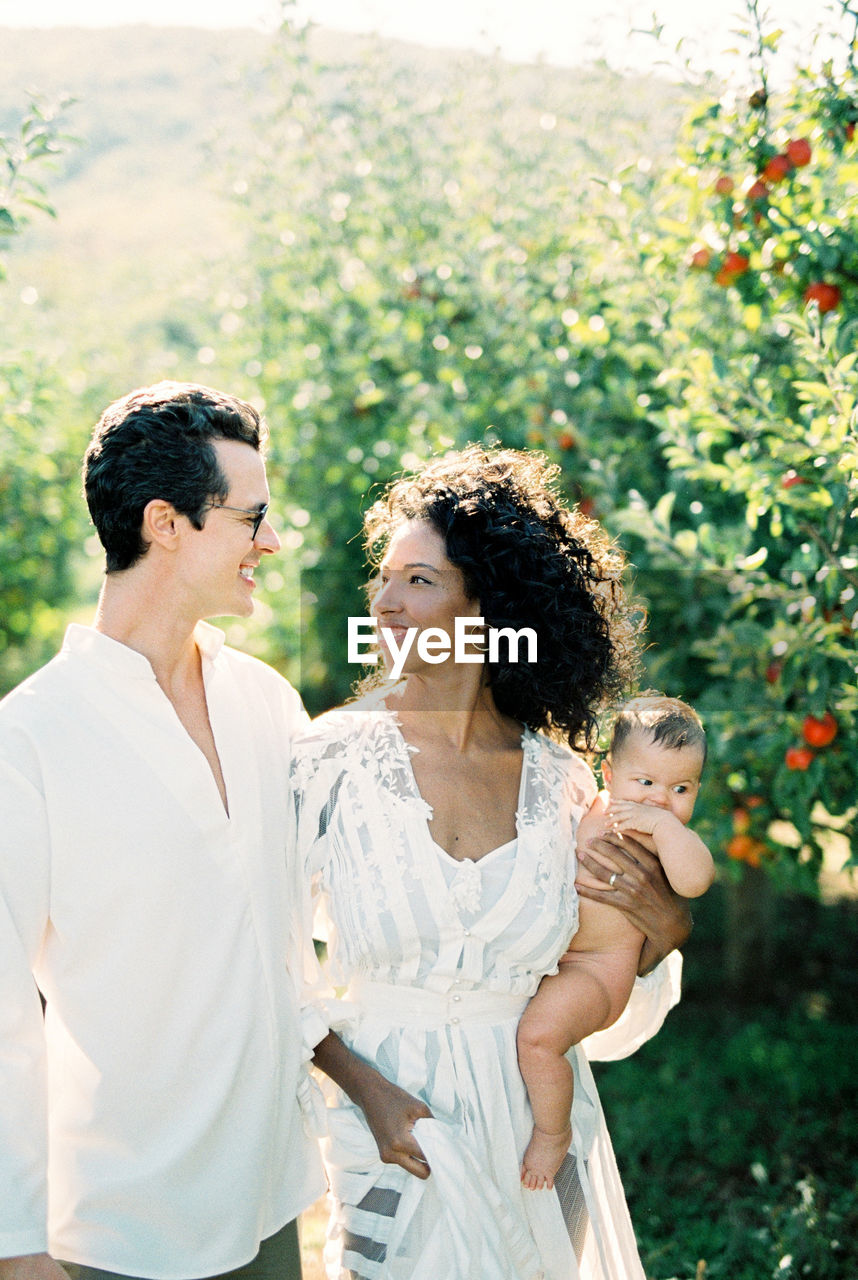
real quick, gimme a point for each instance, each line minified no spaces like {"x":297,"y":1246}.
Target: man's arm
{"x":24,"y":899}
{"x":390,"y":1112}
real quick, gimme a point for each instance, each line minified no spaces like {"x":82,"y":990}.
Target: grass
{"x":732,"y":1126}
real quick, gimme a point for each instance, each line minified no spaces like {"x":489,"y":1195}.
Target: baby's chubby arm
{"x":593,"y":825}
{"x":687,"y":861}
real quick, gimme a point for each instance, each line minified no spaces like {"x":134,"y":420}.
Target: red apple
{"x":733,"y":265}
{"x":819,"y":733}
{"x":826,"y":296}
{"x":757,"y":191}
{"x":799,"y":152}
{"x":777,"y":168}
{"x":745,"y":849}
{"x":798,"y":758}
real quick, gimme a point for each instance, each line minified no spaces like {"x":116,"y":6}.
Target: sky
{"x":562,"y":31}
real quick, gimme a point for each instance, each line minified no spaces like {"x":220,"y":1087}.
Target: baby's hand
{"x":626,"y":815}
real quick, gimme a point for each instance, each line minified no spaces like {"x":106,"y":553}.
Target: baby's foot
{"x":544,"y":1155}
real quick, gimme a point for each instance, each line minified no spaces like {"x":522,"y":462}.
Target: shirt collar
{"x":210,"y":640}
{"x":87,"y":642}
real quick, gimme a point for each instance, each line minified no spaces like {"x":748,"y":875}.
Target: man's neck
{"x":133,"y":612}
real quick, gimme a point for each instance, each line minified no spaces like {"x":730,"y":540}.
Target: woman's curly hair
{"x":531,"y":562}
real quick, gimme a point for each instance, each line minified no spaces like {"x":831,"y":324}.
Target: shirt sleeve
{"x":651,"y":1001}
{"x":24,"y":899}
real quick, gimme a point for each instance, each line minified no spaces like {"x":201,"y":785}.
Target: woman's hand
{"x":640,"y":890}
{"x":390,"y":1112}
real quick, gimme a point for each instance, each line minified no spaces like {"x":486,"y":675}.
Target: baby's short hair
{"x":667,"y":721}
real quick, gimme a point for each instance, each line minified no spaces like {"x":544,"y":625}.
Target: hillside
{"x":140,"y":197}
{"x":148,"y":228}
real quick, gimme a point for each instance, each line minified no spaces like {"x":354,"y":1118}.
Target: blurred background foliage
{"x":654,"y":280}
{"x":40,"y":532}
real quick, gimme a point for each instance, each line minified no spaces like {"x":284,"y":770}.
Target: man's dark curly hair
{"x":531,"y":562}
{"x":157,"y":442}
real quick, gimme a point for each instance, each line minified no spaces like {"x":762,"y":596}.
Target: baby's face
{"x":649,"y":773}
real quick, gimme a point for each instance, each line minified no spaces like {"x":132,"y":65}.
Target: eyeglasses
{"x":258,"y":513}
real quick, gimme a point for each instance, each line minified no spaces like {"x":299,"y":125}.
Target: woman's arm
{"x":390,"y":1112}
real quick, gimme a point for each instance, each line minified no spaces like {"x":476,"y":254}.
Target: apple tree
{"x":750,"y":556}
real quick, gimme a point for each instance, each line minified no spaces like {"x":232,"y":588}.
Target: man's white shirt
{"x":149,"y":1124}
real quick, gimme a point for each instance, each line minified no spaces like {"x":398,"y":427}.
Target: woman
{"x":437,"y":816}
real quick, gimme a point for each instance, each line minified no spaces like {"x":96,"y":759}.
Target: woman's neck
{"x":462,"y":711}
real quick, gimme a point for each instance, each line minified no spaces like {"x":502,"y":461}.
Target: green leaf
{"x":754,"y":561}
{"x":663,"y":510}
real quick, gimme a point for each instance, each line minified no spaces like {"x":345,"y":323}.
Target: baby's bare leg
{"x":545,"y":1033}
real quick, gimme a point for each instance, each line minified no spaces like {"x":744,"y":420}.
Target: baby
{"x":652,"y":777}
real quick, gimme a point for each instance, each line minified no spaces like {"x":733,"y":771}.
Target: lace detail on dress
{"x":355,"y":782}
{"x":466,"y":887}
{"x":558,"y":788}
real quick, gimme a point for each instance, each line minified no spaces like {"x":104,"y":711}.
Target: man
{"x":148,"y":1124}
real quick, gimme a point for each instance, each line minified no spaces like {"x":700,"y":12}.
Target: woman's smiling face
{"x":418,"y":587}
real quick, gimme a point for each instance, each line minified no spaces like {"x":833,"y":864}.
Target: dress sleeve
{"x":315,"y":778}
{"x":311,"y":799}
{"x":651,"y":1001}
{"x":24,"y":899}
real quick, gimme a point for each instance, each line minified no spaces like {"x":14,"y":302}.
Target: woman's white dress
{"x":438,"y":957}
